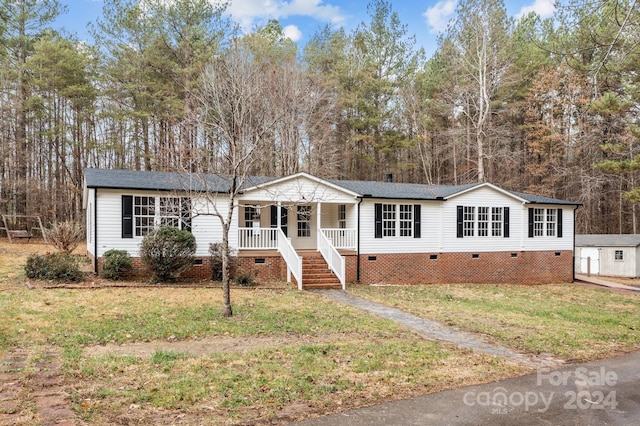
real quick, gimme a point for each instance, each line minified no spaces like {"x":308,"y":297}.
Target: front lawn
{"x":570,"y":321}
{"x":166,"y":355}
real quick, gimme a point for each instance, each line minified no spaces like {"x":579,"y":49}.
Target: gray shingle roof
{"x":409,"y":191}
{"x":608,"y":240}
{"x":172,"y":181}
{"x":162,"y":181}
{"x":539,"y":199}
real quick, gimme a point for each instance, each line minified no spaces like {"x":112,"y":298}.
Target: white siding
{"x":205,"y":227}
{"x":299,"y":189}
{"x":89,"y":212}
{"x":439,"y":227}
{"x":430,"y":230}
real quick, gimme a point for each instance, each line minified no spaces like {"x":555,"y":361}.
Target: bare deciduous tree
{"x":235,"y":115}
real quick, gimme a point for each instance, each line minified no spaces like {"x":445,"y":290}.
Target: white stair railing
{"x":293,"y":261}
{"x":335,"y":261}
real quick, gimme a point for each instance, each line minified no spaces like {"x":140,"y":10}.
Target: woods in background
{"x":540,"y":106}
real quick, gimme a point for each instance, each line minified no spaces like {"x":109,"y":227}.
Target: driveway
{"x":604,"y":392}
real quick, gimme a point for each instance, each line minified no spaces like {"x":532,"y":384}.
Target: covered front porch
{"x":299,"y":232}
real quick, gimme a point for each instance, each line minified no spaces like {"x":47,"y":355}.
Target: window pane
{"x":551,"y":222}
{"x":304,"y":221}
{"x":468,"y":221}
{"x":170,"y":211}
{"x":406,"y":220}
{"x":342,"y":216}
{"x":483,"y":221}
{"x":144,"y":211}
{"x":251,"y":216}
{"x":538,"y":222}
{"x":388,"y":220}
{"x":496,"y":221}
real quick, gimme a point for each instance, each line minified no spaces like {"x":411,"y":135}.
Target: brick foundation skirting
{"x":201,"y":270}
{"x":521,"y":267}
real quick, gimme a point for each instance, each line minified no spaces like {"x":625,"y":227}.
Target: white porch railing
{"x":257,"y":238}
{"x":293,"y":261}
{"x":332,"y":257}
{"x":341,"y":238}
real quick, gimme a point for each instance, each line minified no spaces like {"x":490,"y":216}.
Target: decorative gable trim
{"x":488,"y":185}
{"x":299,"y":175}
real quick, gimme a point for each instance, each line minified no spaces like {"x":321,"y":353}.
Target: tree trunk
{"x":227,"y":311}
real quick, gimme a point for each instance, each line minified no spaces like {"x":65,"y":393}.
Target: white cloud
{"x":249,"y":12}
{"x":292,"y":32}
{"x":543,"y":8}
{"x":438,"y":16}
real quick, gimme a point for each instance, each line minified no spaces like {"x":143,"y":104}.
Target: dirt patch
{"x":207,"y":346}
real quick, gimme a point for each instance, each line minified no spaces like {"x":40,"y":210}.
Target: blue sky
{"x":302,"y":18}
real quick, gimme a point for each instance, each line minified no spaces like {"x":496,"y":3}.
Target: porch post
{"x":279,"y":215}
{"x":318,"y":224}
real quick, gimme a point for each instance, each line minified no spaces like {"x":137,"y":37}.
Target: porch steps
{"x":316,"y":275}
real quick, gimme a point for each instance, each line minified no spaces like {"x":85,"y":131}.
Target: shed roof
{"x":608,"y":240}
{"x":173,"y":181}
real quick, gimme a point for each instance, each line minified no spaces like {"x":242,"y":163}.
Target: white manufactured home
{"x":323,"y":233}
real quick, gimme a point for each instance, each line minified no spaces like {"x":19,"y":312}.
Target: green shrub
{"x":37,"y":267}
{"x":116,"y":264}
{"x":56,"y":267}
{"x":168,"y":252}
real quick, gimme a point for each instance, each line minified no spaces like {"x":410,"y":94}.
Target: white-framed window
{"x":406,"y":220}
{"x":483,"y":221}
{"x":468,"y":220}
{"x":252,"y":216}
{"x":170,"y":211}
{"x":304,"y":221}
{"x":619,"y":255}
{"x":538,"y":222}
{"x":342,"y":216}
{"x":497,"y":221}
{"x":388,"y":220}
{"x":551,"y":222}
{"x":545,"y":222}
{"x":397,"y":220}
{"x":150,"y":212}
{"x":144,"y":209}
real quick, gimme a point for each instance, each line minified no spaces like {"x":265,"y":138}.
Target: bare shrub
{"x":65,"y":236}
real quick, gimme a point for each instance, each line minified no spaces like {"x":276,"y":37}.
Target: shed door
{"x":590,"y":254}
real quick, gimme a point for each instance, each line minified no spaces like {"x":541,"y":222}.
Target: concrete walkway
{"x":599,"y":281}
{"x":436,"y":331}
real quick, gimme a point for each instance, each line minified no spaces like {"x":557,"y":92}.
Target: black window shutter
{"x":378,"y":220}
{"x":284,"y":215}
{"x":505,"y":231}
{"x":460,"y":227}
{"x":274,"y":216}
{"x":416,"y":220}
{"x":559,"y":223}
{"x":127,"y":216}
{"x":530,"y":223}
